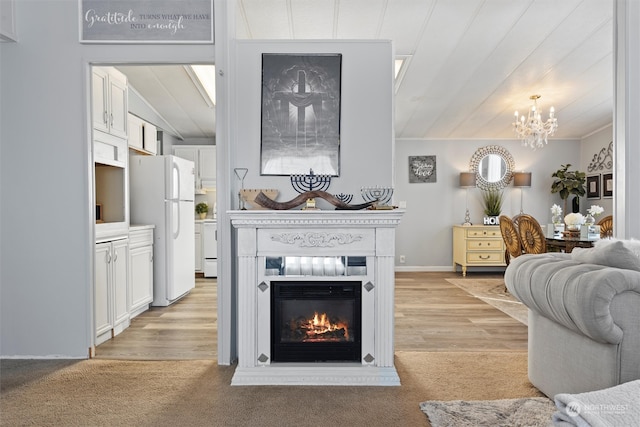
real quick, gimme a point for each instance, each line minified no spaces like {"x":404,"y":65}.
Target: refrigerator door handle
{"x":177,"y":187}
{"x":176,"y":233}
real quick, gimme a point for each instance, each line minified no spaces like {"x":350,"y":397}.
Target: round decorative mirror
{"x":493,"y":166}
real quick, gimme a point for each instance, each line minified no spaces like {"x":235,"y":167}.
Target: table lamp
{"x":521,"y":180}
{"x":467,"y":181}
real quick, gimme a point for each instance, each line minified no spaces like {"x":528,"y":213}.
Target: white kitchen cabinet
{"x":110,"y":101}
{"x":198,"y":244}
{"x":150,"y":138}
{"x":140,"y":269}
{"x":111,"y":283}
{"x":204,"y":158}
{"x":210,"y":248}
{"x":207,"y":166}
{"x":143,"y":136}
{"x":136,"y":130}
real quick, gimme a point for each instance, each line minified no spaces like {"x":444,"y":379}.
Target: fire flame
{"x":321,"y":325}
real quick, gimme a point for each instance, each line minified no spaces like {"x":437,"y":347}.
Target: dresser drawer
{"x":487,"y":244}
{"x":483,"y":233}
{"x":484,"y":257}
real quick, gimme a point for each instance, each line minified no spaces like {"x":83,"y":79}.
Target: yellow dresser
{"x":477,"y":246}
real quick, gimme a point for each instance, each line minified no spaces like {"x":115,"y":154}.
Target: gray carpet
{"x":197,"y":393}
{"x":529,"y":412}
{"x":492,"y":291}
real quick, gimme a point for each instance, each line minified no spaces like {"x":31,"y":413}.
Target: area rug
{"x":530,"y":412}
{"x":494,"y":293}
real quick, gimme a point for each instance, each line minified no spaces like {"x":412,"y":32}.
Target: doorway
{"x":172,"y":100}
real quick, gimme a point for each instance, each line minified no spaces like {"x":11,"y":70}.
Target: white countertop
{"x":141,"y":226}
{"x":206,"y":220}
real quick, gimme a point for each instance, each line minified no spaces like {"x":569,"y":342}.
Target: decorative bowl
{"x":249,"y":195}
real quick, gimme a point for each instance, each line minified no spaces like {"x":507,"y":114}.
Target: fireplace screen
{"x":316,"y":321}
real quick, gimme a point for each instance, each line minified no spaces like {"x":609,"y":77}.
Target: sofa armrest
{"x":576,"y":295}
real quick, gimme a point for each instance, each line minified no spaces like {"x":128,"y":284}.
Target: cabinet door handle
{"x":484,"y":257}
{"x":105,"y":117}
{"x":111,"y":119}
{"x":115,"y":256}
{"x":108,"y":257}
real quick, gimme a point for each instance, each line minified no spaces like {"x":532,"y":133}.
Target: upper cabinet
{"x":110,"y":106}
{"x":204,"y":158}
{"x":143,"y":136}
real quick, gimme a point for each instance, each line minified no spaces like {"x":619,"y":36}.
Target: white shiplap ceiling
{"x":472,"y":62}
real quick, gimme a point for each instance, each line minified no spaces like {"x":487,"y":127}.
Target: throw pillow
{"x":612,"y":254}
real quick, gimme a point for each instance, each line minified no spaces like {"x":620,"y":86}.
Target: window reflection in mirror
{"x":492,"y":168}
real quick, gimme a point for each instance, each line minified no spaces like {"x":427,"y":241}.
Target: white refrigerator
{"x":161,"y":189}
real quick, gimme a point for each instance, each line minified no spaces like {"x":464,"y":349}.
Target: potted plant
{"x":202,"y":209}
{"x":567,"y":183}
{"x":492,"y":201}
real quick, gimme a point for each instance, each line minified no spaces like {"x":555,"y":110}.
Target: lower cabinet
{"x":198,"y":242}
{"x":140,"y":270}
{"x":111,"y":286}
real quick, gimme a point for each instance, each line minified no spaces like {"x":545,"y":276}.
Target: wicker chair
{"x":511,"y":238}
{"x":531,"y":236}
{"x":606,"y":226}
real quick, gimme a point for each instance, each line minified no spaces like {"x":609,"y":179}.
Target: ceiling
{"x":470,"y":64}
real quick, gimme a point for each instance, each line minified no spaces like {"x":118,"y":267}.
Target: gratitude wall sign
{"x":146,"y":21}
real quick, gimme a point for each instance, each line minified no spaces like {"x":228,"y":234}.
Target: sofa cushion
{"x":614,"y":253}
{"x":580,"y":296}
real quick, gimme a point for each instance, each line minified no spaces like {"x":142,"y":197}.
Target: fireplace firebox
{"x":316,"y":321}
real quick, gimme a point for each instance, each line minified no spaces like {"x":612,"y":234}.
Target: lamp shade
{"x":522,"y":179}
{"x":467,"y":179}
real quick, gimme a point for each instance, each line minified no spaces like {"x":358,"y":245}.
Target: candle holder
{"x":310,"y":182}
{"x":380,"y":194}
{"x":240,"y":174}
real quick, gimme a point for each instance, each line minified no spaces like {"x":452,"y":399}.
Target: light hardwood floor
{"x":430,"y":315}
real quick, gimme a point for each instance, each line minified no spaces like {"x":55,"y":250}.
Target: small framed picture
{"x":607,"y":185}
{"x":593,"y":187}
{"x":422,"y":169}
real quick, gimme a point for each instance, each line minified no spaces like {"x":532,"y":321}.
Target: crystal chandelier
{"x":532,"y":130}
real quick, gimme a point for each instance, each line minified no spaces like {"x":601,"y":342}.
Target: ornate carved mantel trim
{"x":316,"y":239}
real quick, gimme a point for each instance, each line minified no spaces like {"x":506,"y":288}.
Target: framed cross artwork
{"x":422,"y":169}
{"x":300,"y":114}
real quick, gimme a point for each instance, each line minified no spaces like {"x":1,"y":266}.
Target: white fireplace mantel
{"x":363,"y":233}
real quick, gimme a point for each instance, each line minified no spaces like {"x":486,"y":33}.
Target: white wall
{"x":425,"y":235}
{"x":366,"y":126}
{"x":592,"y":147}
{"x":46,"y":256}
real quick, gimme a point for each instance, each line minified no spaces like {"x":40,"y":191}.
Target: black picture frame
{"x":607,"y":185}
{"x":422,"y":169}
{"x":300,"y":126}
{"x":593,"y":186}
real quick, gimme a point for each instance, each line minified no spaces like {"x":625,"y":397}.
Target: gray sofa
{"x":584,"y":318}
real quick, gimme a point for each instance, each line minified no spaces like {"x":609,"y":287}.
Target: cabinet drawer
{"x":484,"y":258}
{"x":474,"y":245}
{"x":484,"y":232}
{"x":138,"y":238}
